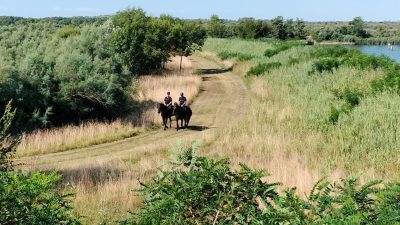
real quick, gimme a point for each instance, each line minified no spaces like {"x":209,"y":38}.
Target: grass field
{"x":287,"y":131}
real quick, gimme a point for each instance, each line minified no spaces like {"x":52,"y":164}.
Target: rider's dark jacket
{"x":182,"y":100}
{"x":167,"y":100}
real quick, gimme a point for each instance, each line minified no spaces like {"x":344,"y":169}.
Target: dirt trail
{"x":214,"y":107}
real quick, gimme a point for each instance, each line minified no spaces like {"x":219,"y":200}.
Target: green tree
{"x":217,"y":28}
{"x":299,"y":29}
{"x":129,"y":36}
{"x":279,"y":28}
{"x":357,"y":27}
{"x":187,"y":37}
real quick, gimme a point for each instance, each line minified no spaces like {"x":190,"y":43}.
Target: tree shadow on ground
{"x":214,"y":70}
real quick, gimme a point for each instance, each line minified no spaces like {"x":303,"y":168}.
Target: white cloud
{"x":77,"y":9}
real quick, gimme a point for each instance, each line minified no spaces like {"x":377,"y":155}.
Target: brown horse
{"x":166,"y":113}
{"x":183,"y":114}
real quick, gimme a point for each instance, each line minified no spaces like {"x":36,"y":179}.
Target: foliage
{"x":7,"y":144}
{"x":199,"y":190}
{"x":59,"y":75}
{"x":33,"y":199}
{"x":357,"y":27}
{"x":217,"y":28}
{"x":204,"y":191}
{"x":145,"y":43}
{"x":263,"y":68}
{"x":240,"y":56}
{"x":281,"y":46}
{"x":326,"y":64}
{"x":250,"y":28}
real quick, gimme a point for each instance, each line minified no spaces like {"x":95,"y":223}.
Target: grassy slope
{"x":287,"y":132}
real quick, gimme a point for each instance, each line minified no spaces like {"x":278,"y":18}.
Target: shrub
{"x":325,"y":65}
{"x":281,"y":46}
{"x":240,"y":56}
{"x":198,"y":190}
{"x":362,"y":61}
{"x":262,"y":68}
{"x":7,"y":145}
{"x":204,"y":191}
{"x":33,"y":199}
{"x":329,"y":51}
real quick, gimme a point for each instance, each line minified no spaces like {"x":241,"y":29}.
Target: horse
{"x":166,"y":113}
{"x":182,"y":114}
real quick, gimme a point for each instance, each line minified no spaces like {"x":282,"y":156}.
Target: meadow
{"x":287,"y":130}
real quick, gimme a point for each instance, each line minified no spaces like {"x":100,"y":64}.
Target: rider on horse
{"x":182,"y":101}
{"x":168,"y":100}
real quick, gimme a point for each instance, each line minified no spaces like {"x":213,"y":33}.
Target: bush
{"x":282,"y":46}
{"x":7,"y":144}
{"x":204,"y":191}
{"x":325,"y":65}
{"x":198,"y":190}
{"x":262,"y":68}
{"x":240,"y":56}
{"x":358,"y":60}
{"x":33,"y":199}
{"x":329,"y":51}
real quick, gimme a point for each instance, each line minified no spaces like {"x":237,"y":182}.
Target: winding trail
{"x":214,"y":107}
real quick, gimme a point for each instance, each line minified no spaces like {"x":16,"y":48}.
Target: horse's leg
{"x":182,"y":122}
{"x":177,"y":124}
{"x":165,"y":123}
{"x":170,"y":121}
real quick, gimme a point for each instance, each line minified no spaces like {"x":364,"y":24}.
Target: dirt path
{"x":215,"y":106}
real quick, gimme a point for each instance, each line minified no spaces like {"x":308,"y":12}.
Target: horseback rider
{"x":182,"y":101}
{"x":168,"y":100}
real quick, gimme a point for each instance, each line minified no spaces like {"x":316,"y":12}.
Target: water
{"x":393,"y":52}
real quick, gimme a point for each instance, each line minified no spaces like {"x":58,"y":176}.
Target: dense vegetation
{"x":199,"y":190}
{"x":356,"y":31}
{"x":28,"y":199}
{"x":61,"y":71}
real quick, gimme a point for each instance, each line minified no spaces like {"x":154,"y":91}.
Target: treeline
{"x":356,"y":31}
{"x":57,"y":72}
{"x":250,"y":28}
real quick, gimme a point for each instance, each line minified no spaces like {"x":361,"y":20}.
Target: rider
{"x":168,"y":100}
{"x":182,"y":101}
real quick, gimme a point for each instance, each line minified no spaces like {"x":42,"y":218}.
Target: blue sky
{"x":310,"y":10}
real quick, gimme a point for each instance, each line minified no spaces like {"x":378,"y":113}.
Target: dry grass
{"x":151,"y":88}
{"x":154,"y":87}
{"x":71,"y":137}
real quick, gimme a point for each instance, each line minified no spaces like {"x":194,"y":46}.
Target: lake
{"x":380,"y":50}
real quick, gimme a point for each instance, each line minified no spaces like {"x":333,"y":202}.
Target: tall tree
{"x":129,"y":36}
{"x":357,"y":27}
{"x":187,"y":37}
{"x":279,"y":28}
{"x":299,"y":29}
{"x":216,"y":27}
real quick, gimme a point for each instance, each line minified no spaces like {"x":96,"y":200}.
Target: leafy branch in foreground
{"x":198,"y":190}
{"x":7,"y":144}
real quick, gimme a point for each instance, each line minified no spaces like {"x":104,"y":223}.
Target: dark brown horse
{"x":166,"y":113}
{"x":182,"y":114}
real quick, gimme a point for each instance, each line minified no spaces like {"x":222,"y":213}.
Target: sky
{"x":309,"y":10}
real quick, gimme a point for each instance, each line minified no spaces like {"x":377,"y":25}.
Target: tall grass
{"x":287,"y":130}
{"x":71,"y":137}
